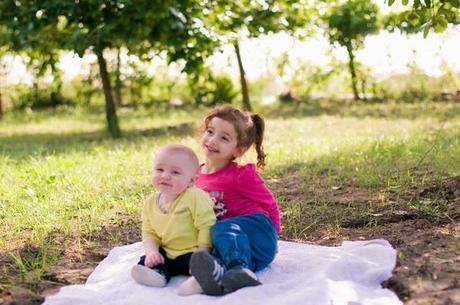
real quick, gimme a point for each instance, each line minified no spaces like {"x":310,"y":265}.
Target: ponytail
{"x":259,"y":127}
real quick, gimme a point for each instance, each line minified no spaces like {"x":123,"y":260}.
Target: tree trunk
{"x":110,"y":110}
{"x":117,"y":93}
{"x":1,"y":104}
{"x":56,"y":92}
{"x":35,"y":86}
{"x":363,"y":88}
{"x":244,"y":84}
{"x":2,"y":67}
{"x":351,"y":66}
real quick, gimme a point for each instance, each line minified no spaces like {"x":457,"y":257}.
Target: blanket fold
{"x":301,"y":274}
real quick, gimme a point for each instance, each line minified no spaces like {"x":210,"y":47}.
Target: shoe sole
{"x":236,"y":279}
{"x":202,"y":268}
{"x":148,"y":277}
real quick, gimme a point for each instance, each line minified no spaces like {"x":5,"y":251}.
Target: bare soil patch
{"x":422,"y":223}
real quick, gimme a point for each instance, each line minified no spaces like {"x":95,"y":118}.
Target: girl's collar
{"x":204,"y":171}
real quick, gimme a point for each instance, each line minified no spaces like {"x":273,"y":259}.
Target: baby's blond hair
{"x":186,"y":151}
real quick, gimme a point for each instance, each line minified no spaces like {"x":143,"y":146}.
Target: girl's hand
{"x":154,"y":258}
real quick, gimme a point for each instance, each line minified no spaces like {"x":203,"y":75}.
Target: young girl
{"x":244,"y":239}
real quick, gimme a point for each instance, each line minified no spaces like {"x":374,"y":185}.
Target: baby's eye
{"x":175,"y":172}
{"x":209,"y":131}
{"x":159,"y":170}
{"x":225,"y":139}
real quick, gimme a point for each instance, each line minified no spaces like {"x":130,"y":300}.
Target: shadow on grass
{"x":34,"y":271}
{"x":22,"y":146}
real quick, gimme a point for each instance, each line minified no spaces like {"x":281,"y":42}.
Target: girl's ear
{"x":238,"y":152}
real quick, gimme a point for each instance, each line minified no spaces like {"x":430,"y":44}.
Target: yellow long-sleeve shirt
{"x":185,"y":227}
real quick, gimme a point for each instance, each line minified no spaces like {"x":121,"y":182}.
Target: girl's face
{"x":220,"y":141}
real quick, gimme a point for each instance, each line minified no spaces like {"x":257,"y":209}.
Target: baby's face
{"x":172,"y":173}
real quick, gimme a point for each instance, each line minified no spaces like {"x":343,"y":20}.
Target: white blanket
{"x":301,"y":274}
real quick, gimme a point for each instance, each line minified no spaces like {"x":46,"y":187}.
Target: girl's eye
{"x":176,"y":173}
{"x":159,"y":170}
{"x":209,"y":131}
{"x":225,"y":139}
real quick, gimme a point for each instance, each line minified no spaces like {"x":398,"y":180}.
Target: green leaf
{"x":440,"y":24}
{"x":390,"y":2}
{"x":426,"y":29}
{"x":413,"y":18}
{"x":428,"y":3}
{"x":405,"y":2}
{"x":454,"y":3}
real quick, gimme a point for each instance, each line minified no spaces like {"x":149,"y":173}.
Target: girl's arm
{"x":252,"y":186}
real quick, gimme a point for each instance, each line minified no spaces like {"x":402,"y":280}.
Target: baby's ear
{"x":193,"y":179}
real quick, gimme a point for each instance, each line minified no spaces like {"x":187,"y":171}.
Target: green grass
{"x":62,"y":174}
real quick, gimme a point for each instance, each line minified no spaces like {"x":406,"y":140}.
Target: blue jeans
{"x":248,"y":240}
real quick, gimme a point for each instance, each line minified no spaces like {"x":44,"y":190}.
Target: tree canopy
{"x":174,"y":27}
{"x":428,"y":14}
{"x":349,"y":24}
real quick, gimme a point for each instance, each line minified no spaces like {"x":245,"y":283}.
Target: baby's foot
{"x":149,"y":277}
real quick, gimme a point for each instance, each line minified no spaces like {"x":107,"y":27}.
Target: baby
{"x":176,"y":218}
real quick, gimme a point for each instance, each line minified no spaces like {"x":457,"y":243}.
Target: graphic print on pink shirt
{"x":219,"y":206}
{"x":244,"y":190}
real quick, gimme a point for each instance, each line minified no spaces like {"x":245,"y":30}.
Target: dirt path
{"x":428,"y":243}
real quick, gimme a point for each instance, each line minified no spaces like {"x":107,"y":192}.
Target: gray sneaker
{"x":208,"y":272}
{"x":149,"y":277}
{"x":237,"y":278}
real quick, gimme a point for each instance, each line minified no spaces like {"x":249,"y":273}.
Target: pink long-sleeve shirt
{"x":239,"y":190}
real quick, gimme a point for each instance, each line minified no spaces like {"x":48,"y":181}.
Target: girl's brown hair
{"x":249,"y":128}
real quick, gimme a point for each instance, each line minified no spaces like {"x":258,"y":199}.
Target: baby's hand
{"x":154,"y":258}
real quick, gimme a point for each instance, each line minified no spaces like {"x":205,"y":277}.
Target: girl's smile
{"x":210,"y":149}
{"x":219,"y":143}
